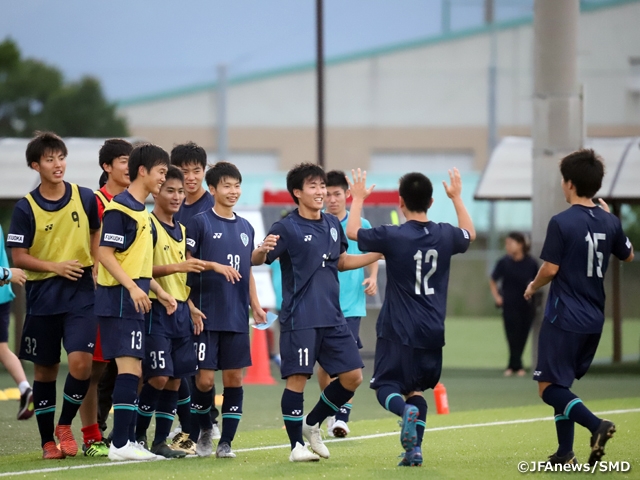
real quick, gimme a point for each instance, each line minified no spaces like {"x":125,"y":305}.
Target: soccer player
{"x":7,"y":357}
{"x":353,"y":287}
{"x":114,"y":161}
{"x":312,"y":248}
{"x":223,"y":292}
{"x":124,"y":280}
{"x":410,"y":328}
{"x":575,"y":257}
{"x":52,"y":232}
{"x":169,"y":352}
{"x":192,"y":160}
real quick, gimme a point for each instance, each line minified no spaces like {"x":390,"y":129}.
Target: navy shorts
{"x":43,"y":334}
{"x":5,"y":310}
{"x":122,"y":337}
{"x":222,"y":350}
{"x":563,"y":356}
{"x":354,"y":325}
{"x":405,"y":368}
{"x":168,"y":357}
{"x":334,"y":348}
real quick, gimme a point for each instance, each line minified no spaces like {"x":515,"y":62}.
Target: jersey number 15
{"x":592,"y":249}
{"x":430,"y":257}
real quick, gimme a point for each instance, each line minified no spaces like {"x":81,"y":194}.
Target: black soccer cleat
{"x":26,"y":409}
{"x":568,"y":459}
{"x":604,"y":432}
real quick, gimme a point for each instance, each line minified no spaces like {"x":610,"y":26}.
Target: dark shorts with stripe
{"x":334,"y":348}
{"x":168,"y":357}
{"x":563,"y":356}
{"x":222,"y":350}
{"x":406,"y":368}
{"x":122,"y":337}
{"x":42,"y":335}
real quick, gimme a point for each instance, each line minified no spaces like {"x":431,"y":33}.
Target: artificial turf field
{"x":457,"y":445}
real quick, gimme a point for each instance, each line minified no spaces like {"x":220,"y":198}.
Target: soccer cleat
{"x":302,"y":454}
{"x":569,"y":459}
{"x":204,"y":447}
{"x":216,"y":432}
{"x":314,"y":435}
{"x":412,"y":458}
{"x":130,"y":451}
{"x":175,"y":432}
{"x":604,"y":432}
{"x":408,"y":434}
{"x":330,"y":422}
{"x":96,"y":449}
{"x":50,"y":451}
{"x":339,"y":429}
{"x":224,"y":451}
{"x":184,"y":443}
{"x":68,"y":444}
{"x":179,"y":438}
{"x":26,"y":405}
{"x":142,"y":441}
{"x":164,"y":450}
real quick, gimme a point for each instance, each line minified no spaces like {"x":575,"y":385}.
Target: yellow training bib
{"x":61,"y":235}
{"x":169,"y":251}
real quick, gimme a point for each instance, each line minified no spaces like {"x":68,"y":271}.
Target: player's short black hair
{"x":111,"y":149}
{"x":521,"y":239}
{"x":585,"y":169}
{"x":147,"y":156}
{"x":222,"y":170}
{"x":337,"y":178}
{"x":188,"y":153}
{"x":43,"y":143}
{"x":174,"y":173}
{"x":301,"y":172}
{"x":416,"y":191}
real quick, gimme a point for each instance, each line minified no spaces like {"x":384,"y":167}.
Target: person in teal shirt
{"x":354,"y":287}
{"x":7,"y":357}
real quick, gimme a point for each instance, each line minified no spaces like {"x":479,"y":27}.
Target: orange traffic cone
{"x":259,"y":373}
{"x":440,"y":396}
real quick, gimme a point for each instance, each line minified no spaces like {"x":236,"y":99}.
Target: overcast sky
{"x":140,"y":47}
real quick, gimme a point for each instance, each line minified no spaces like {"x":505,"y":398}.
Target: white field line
{"x":362,"y":437}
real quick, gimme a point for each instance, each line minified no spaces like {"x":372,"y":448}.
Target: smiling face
{"x":118,"y":171}
{"x":336,"y":200}
{"x":312,"y":194}
{"x":51,"y":167}
{"x":227,"y":192}
{"x":193,"y":177}
{"x":171,"y":196}
{"x":154,"y":178}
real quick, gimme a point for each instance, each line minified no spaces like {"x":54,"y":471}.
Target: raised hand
{"x":455,"y":188}
{"x":358,"y":186}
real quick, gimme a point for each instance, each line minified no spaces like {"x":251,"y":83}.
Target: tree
{"x":34,"y":96}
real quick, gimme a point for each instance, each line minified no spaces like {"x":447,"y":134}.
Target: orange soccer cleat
{"x":68,"y":444}
{"x":50,"y":451}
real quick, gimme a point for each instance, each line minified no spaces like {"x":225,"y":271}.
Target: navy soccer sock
{"x":421,"y":424}
{"x":165,"y":413}
{"x":74,"y":392}
{"x":564,"y":400}
{"x":125,"y":396}
{"x":565,"y":431}
{"x":147,"y":405}
{"x":201,"y":412}
{"x":44,"y":401}
{"x":292,"y":405}
{"x":231,"y":412}
{"x":344,"y":412}
{"x":184,"y":406}
{"x":331,"y":398}
{"x":390,"y":398}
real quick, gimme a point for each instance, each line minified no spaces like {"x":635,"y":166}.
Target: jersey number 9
{"x":75,"y":218}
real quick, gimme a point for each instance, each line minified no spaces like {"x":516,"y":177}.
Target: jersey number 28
{"x":430,"y":257}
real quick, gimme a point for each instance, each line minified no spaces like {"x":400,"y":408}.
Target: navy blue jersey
{"x":213,"y":238}
{"x":56,"y":294}
{"x":580,"y":241}
{"x":418,"y":257}
{"x":119,"y":231}
{"x":186,"y":212}
{"x":309,"y":251}
{"x":515,"y":276}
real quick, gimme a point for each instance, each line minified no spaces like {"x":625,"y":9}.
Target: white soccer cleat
{"x":130,"y":451}
{"x":314,"y":435}
{"x":204,"y":447}
{"x":303,"y":454}
{"x":330,"y":422}
{"x":216,"y":432}
{"x":338,"y":429}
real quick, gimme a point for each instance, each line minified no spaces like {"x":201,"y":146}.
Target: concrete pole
{"x":492,"y":128}
{"x":557,"y":114}
{"x":221,"y":114}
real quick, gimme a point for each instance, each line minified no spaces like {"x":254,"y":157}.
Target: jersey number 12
{"x":430,"y":256}
{"x":592,"y":248}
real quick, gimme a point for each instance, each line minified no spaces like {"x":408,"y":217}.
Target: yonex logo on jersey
{"x":334,"y":234}
{"x":307,"y":238}
{"x":165,"y":248}
{"x":12,"y":237}
{"x":48,"y":228}
{"x":110,"y":237}
{"x":191,"y":242}
{"x":245,"y":239}
{"x":537,"y":373}
{"x":217,"y":235}
{"x":91,"y":345}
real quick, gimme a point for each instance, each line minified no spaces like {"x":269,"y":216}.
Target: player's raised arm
{"x":353,"y":262}
{"x":454,"y":192}
{"x":359,"y":192}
